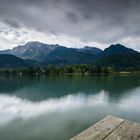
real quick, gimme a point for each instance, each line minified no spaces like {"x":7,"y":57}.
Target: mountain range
{"x":37,"y":53}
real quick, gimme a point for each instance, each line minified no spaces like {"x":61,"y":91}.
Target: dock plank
{"x":100,"y":130}
{"x":126,"y":131}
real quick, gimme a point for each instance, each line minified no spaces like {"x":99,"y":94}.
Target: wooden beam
{"x":100,"y":130}
{"x":127,"y":131}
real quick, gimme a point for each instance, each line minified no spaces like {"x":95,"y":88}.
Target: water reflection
{"x":37,"y":89}
{"x":55,"y":108}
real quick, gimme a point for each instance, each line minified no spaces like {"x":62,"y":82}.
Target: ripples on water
{"x":57,"y":108}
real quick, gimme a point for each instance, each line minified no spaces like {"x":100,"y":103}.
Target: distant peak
{"x":117,"y":45}
{"x":88,"y":47}
{"x":118,"y":49}
{"x":37,"y":44}
{"x":33,"y":42}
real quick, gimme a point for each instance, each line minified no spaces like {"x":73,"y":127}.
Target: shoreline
{"x":121,"y":73}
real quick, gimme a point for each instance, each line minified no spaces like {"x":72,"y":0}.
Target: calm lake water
{"x":57,"y":108}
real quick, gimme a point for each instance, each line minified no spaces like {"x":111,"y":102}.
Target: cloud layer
{"x":78,"y":21}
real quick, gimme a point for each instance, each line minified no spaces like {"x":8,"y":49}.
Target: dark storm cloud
{"x":72,"y":17}
{"x":103,"y":21}
{"x":11,"y":23}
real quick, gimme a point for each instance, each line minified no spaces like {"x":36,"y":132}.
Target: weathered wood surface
{"x":111,"y":128}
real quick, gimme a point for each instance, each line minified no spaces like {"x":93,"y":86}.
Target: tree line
{"x":58,"y":70}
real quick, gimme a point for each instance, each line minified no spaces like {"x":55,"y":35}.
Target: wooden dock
{"x":111,"y":128}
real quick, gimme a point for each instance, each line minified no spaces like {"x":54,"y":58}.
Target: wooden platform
{"x":111,"y":128}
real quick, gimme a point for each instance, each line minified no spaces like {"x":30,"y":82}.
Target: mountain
{"x":116,"y":50}
{"x":11,"y":61}
{"x":32,"y":50}
{"x":119,"y":57}
{"x":54,"y":54}
{"x":90,"y":50}
{"x":120,"y":61}
{"x":63,"y":55}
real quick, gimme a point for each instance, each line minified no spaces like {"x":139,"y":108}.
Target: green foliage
{"x":121,"y":62}
{"x":70,"y":69}
{"x":58,"y":70}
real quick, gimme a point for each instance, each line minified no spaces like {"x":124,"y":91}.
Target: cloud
{"x":104,"y":22}
{"x":10,"y":38}
{"x":13,"y":107}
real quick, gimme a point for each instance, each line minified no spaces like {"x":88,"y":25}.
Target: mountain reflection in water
{"x":55,"y":108}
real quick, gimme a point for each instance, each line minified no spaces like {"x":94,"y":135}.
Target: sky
{"x":72,"y":23}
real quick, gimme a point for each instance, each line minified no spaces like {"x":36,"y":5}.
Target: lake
{"x":57,"y":108}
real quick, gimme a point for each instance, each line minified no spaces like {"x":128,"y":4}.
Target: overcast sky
{"x":73,"y":23}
